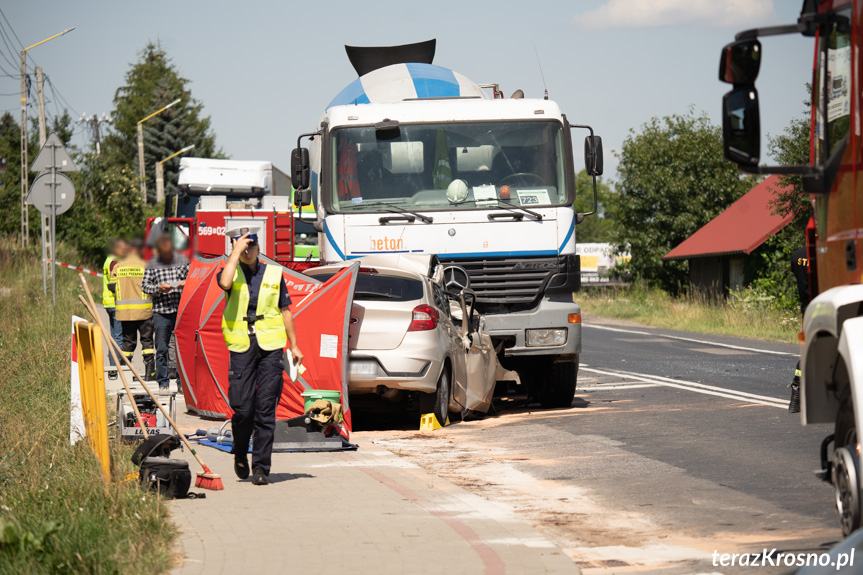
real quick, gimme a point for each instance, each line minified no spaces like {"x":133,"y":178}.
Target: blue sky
{"x":265,"y":70}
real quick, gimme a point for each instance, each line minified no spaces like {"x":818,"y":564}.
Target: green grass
{"x":57,"y":515}
{"x":744,"y":314}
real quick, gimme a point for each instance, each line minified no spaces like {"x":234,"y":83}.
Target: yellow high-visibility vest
{"x":131,"y":302}
{"x":107,"y":295}
{"x":270,"y":329}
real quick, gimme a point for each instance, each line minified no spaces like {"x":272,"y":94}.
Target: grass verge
{"x":57,"y":515}
{"x":743,"y":314}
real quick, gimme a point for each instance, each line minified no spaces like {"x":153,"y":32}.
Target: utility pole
{"x":141,"y":167}
{"x":40,"y":95}
{"x":25,"y":168}
{"x":96,"y":134}
{"x":25,"y":228}
{"x":44,"y":219}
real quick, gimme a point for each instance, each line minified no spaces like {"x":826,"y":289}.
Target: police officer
{"x":800,"y":269}
{"x":134,"y":308}
{"x":257,"y":324}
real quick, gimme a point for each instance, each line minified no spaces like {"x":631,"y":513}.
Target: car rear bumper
{"x":409,"y":368}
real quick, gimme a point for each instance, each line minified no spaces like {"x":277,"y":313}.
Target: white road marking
{"x":696,"y":387}
{"x":596,"y":386}
{"x":653,"y":335}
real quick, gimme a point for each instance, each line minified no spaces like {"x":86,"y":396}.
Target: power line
{"x":3,"y":54}
{"x":56,"y":90}
{"x":11,"y":28}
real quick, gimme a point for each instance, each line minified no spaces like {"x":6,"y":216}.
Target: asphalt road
{"x":677,"y":445}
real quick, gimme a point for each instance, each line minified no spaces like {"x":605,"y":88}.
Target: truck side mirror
{"x":302,"y":198}
{"x":300,"y":169}
{"x":741,"y":126}
{"x":593,"y":155}
{"x":740,"y":62}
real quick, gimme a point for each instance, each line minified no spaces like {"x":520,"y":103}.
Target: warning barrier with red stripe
{"x":71,"y":267}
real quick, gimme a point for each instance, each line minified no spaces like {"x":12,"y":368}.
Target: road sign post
{"x":52,"y":193}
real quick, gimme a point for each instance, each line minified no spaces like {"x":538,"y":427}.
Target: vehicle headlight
{"x":545,"y":337}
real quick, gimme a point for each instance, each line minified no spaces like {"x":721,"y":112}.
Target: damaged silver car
{"x":408,"y":334}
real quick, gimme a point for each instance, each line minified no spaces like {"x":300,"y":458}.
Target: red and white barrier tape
{"x":71,"y":267}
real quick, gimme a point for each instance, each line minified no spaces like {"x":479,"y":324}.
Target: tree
{"x":150,"y":84}
{"x":771,"y":262}
{"x":601,"y":226}
{"x":673,"y":180}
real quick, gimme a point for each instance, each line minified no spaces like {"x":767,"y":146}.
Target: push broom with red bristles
{"x":206,"y":479}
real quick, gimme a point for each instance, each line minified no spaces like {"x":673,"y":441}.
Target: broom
{"x":205,"y":480}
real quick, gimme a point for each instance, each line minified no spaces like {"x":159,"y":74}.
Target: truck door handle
{"x":501,"y":215}
{"x":388,"y":219}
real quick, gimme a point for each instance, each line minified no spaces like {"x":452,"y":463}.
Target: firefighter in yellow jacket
{"x":119,"y":250}
{"x":134,"y":308}
{"x":257,"y":325}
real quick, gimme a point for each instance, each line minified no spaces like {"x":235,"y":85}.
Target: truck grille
{"x":507,"y":280}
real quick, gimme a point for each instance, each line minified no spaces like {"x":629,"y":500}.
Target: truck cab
{"x":415,"y":158}
{"x":831,"y":358}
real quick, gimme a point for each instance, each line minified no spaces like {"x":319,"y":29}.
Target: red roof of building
{"x":745,"y":225}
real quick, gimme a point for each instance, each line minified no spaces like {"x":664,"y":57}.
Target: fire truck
{"x":832,"y":336}
{"x":216,"y":195}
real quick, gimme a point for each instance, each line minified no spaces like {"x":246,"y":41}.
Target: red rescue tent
{"x":321,"y":314}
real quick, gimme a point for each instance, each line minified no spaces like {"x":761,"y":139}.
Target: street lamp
{"x":25,"y":169}
{"x":141,"y":147}
{"x":160,"y":173}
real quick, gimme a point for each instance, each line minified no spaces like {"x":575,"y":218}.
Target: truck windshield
{"x":448,"y":166}
{"x":833,"y":76}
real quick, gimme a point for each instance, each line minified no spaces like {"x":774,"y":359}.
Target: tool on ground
{"x":108,"y":339}
{"x":205,"y":480}
{"x":220,"y":435}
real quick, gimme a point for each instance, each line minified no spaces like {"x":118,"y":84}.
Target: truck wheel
{"x":437,"y":402}
{"x":846,"y":469}
{"x":558,"y":389}
{"x":846,"y":430}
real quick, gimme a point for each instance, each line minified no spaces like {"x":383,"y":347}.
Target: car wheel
{"x":437,"y":402}
{"x":558,"y":389}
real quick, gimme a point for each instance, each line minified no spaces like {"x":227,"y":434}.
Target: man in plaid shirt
{"x":164,"y":279}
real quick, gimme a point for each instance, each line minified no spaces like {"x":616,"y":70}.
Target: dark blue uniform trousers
{"x":255,"y":380}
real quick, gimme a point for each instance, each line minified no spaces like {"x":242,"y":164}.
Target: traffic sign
{"x":41,"y":193}
{"x":53,"y":155}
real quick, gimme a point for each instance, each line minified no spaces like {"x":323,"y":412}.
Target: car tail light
{"x":425,"y":317}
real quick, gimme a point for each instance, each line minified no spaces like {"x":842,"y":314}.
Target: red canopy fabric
{"x":745,"y":225}
{"x":319,"y":310}
{"x":321,"y":319}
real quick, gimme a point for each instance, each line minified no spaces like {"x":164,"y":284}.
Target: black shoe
{"x":794,"y":404}
{"x":112,"y":375}
{"x":241,"y":466}
{"x":260,"y":478}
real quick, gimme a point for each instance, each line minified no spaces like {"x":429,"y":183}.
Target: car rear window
{"x":382,"y":287}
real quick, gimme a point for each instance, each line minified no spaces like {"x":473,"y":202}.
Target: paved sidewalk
{"x":367,"y":511}
{"x":359,"y":512}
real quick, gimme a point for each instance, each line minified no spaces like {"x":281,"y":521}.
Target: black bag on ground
{"x":170,"y":477}
{"x":159,"y":445}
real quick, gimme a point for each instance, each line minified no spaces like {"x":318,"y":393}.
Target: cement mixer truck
{"x":416,"y":158}
{"x":831,"y":389}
